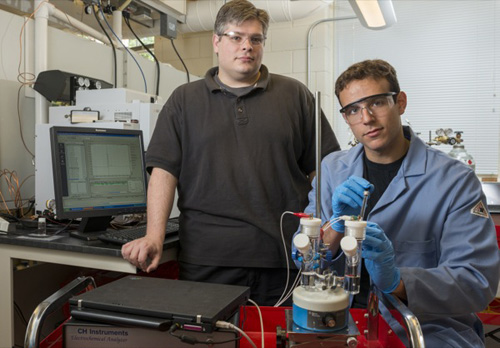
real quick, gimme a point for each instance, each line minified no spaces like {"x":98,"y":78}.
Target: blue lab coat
{"x":448,"y":256}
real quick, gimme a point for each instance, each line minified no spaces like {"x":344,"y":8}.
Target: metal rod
{"x":309,"y":44}
{"x":317,"y":114}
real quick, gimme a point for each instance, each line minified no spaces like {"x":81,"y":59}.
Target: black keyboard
{"x":124,"y":236}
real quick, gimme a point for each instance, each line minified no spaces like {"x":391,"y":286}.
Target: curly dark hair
{"x":376,"y":69}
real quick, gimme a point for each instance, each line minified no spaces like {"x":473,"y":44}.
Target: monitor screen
{"x":492,"y":192}
{"x":98,"y":173}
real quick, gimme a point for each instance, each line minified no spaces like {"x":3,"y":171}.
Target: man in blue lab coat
{"x":430,"y":240}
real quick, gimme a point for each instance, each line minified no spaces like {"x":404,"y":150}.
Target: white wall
{"x":13,"y":155}
{"x":195,"y":50}
{"x":447,"y":62}
{"x":285,"y":53}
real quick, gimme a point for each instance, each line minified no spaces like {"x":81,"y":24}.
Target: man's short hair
{"x":376,"y":69}
{"x":238,"y":11}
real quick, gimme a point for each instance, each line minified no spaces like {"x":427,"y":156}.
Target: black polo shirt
{"x":241,"y":161}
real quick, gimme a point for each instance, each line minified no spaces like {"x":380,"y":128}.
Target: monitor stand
{"x":91,"y":228}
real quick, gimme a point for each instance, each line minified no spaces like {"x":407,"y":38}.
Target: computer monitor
{"x":492,"y":192}
{"x":98,"y":173}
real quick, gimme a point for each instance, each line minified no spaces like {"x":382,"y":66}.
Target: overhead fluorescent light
{"x":374,"y":14}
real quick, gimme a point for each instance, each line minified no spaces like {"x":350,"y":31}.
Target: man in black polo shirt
{"x":239,"y":146}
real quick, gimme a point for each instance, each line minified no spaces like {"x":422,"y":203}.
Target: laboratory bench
{"x":18,"y":251}
{"x":97,"y":255}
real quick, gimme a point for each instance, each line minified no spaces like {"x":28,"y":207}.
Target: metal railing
{"x":51,"y":304}
{"x":406,"y":319}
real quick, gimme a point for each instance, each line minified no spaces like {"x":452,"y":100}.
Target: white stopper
{"x":311,"y":226}
{"x":302,"y":243}
{"x":349,"y":245}
{"x":356,"y":229}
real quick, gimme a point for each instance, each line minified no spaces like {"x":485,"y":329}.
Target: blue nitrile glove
{"x":347,"y":199}
{"x":379,"y":259}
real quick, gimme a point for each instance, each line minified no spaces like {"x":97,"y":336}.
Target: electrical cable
{"x":261,"y":321}
{"x":9,"y":217}
{"x":178,"y":55}
{"x":242,"y":322}
{"x":20,"y":120}
{"x":31,"y":205}
{"x":14,"y":188}
{"x":110,"y":42}
{"x":62,"y":229}
{"x":26,"y":79}
{"x":286,"y":257}
{"x":329,"y":223}
{"x":21,"y":35}
{"x":128,"y":51}
{"x":290,"y":292}
{"x":226,"y":325}
{"x":127,"y":21}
